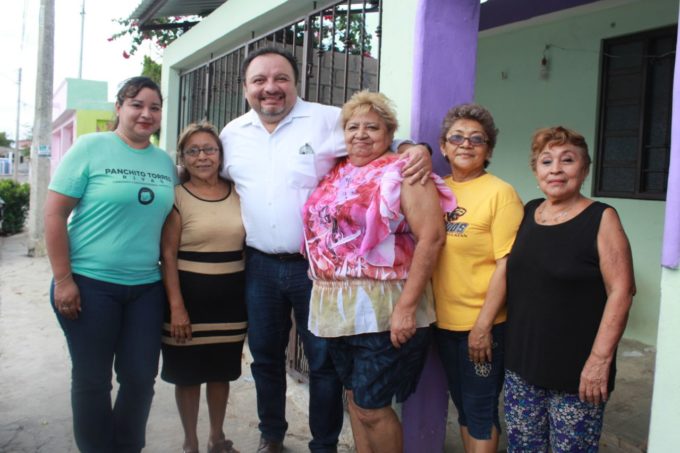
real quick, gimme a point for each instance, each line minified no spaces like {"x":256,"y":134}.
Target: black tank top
{"x":556,"y":297}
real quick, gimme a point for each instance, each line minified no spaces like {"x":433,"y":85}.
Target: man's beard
{"x":273,"y":111}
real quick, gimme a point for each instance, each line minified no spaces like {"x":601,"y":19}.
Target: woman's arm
{"x":420,"y":205}
{"x":66,"y":294}
{"x":480,"y":339}
{"x":180,"y":324}
{"x":616,"y":265}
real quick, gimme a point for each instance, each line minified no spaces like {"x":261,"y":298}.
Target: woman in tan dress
{"x":203,"y":272}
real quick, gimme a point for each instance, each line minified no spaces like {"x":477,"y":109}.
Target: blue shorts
{"x":474,"y":388}
{"x":374,"y":370}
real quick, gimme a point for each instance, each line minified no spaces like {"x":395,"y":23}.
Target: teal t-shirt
{"x":124,"y":195}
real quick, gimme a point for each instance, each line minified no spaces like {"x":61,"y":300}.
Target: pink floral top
{"x":360,"y":248}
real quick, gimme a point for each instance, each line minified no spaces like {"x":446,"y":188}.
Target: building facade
{"x":603,"y":67}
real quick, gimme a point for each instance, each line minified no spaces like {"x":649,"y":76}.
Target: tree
{"x":151,"y":69}
{"x":330,"y":33}
{"x":344,"y":40}
{"x":16,"y":197}
{"x":4,"y":141}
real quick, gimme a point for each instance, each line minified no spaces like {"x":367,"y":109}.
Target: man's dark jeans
{"x":273,"y":288}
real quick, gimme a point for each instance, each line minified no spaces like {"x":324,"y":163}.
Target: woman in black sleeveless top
{"x":570,"y":286}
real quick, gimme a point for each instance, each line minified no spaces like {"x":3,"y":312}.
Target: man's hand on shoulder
{"x":419,"y":166}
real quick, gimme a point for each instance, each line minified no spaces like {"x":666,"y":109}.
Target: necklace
{"x":557,"y":218}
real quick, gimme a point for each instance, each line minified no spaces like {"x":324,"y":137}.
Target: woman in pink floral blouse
{"x":372,"y":242}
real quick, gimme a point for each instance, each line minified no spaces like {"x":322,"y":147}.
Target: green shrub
{"x":16,"y":197}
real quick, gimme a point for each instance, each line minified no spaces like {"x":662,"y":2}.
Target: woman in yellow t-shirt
{"x":469,"y":281}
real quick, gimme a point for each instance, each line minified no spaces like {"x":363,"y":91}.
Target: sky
{"x":102,"y":60}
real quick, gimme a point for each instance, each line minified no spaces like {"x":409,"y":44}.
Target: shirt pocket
{"x":302,"y":171}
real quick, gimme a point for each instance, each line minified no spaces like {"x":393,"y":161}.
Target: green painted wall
{"x":93,"y":120}
{"x":509,"y":84}
{"x":663,"y":432}
{"x":87,"y":95}
{"x":396,"y":61}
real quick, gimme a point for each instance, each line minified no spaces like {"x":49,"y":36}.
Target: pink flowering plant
{"x":159,"y":32}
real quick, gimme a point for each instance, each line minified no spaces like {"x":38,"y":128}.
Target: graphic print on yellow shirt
{"x":452,"y":225}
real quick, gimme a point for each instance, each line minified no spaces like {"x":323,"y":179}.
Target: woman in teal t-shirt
{"x":117,"y":189}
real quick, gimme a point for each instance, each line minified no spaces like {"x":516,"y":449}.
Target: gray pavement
{"x":35,"y":413}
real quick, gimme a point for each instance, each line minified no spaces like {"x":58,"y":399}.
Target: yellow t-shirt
{"x":480,"y":231}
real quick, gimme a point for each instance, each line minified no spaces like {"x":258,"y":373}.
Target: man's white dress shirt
{"x":275,"y":173}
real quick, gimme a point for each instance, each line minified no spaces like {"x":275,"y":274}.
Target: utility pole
{"x":17,"y":152}
{"x":82,"y":41}
{"x":42,"y":130}
{"x":15,"y":164}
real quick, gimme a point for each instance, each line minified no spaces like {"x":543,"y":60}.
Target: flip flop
{"x":222,"y":446}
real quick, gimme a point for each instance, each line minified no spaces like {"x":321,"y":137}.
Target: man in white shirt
{"x":276,"y":154}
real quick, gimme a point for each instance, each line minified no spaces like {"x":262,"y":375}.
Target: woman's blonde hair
{"x":365,"y":101}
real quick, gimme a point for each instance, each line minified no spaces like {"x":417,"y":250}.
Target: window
{"x":636,"y":100}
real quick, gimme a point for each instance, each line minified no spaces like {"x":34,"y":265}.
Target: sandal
{"x":222,"y":446}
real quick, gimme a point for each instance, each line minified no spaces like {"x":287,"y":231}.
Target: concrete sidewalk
{"x":35,"y":413}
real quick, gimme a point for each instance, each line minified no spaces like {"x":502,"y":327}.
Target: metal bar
{"x":332,"y":66}
{"x":221,"y":93}
{"x":319,"y":60}
{"x":345,"y":78}
{"x":186,"y":25}
{"x":305,"y":72}
{"x":229,"y":87}
{"x":209,"y":76}
{"x":361,"y":47}
{"x":204,"y":91}
{"x":638,"y":182}
{"x":182,"y":109}
{"x":242,"y":84}
{"x":378,"y":32}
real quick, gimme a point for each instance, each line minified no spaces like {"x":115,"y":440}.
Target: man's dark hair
{"x":270,"y":51}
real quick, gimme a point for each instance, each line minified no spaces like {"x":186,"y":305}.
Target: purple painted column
{"x":444,"y":61}
{"x":671,"y":236}
{"x":444,"y":64}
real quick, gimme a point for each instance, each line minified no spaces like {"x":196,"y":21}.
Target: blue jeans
{"x":118,"y":326}
{"x":474,"y":388}
{"x":273,"y":288}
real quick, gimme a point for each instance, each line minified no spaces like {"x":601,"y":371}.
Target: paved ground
{"x":35,"y":414}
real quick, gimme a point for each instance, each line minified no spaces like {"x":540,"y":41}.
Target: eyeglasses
{"x":194,"y":152}
{"x":475,"y":140}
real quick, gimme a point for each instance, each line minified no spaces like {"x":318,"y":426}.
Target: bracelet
{"x":63,"y":279}
{"x":426,"y":145}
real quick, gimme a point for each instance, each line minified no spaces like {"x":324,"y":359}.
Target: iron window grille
{"x":634,"y":129}
{"x":338,"y":53}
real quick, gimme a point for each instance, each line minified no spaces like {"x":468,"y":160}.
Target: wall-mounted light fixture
{"x":544,"y":73}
